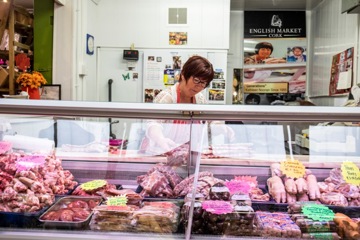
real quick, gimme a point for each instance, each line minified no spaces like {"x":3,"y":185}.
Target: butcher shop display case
{"x":86,"y":170}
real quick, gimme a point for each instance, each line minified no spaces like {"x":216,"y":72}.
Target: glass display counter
{"x":84,"y":170}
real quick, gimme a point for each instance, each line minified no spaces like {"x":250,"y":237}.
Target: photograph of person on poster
{"x":263,"y":51}
{"x":296,"y":54}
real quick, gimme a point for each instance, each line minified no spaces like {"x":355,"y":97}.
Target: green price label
{"x":117,"y":201}
{"x":93,"y":185}
{"x":318,"y":212}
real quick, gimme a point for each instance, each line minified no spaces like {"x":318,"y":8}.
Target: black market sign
{"x":279,"y":87}
{"x":275,"y":24}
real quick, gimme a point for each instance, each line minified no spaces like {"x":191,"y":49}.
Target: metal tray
{"x":66,"y":224}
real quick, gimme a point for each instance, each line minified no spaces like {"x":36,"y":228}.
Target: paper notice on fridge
{"x":344,"y":80}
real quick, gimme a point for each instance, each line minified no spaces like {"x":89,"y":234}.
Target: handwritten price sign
{"x":117,"y":201}
{"x":217,"y":207}
{"x":292,"y":168}
{"x":92,"y":185}
{"x":350,"y":173}
{"x":318,"y":212}
{"x":238,"y":186}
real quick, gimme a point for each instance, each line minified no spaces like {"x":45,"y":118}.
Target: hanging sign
{"x":275,"y":24}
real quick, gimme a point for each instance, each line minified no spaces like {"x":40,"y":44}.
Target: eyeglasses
{"x":198,"y":81}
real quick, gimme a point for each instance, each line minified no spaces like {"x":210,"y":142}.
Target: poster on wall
{"x":289,"y":80}
{"x":341,"y":76}
{"x":162,"y":69}
{"x":274,"y":37}
{"x":216,"y":89}
{"x":154,"y":68}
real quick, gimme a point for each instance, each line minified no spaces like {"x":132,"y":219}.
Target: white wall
{"x":120,"y":23}
{"x":331,"y":33}
{"x":63,"y":52}
{"x":145,"y":23}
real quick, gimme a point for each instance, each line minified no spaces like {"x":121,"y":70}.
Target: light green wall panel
{"x":43,"y":37}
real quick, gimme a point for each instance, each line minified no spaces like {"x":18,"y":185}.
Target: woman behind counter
{"x":196,"y":75}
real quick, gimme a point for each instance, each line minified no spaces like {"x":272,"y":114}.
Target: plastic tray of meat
{"x":21,"y":220}
{"x":278,"y":225}
{"x":72,"y":212}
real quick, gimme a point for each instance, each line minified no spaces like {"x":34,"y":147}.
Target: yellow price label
{"x":350,"y":172}
{"x":120,"y":200}
{"x":292,"y":168}
{"x":93,"y":185}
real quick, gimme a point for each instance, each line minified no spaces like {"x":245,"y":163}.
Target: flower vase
{"x":34,"y":93}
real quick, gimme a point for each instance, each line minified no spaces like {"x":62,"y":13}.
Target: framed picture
{"x":50,"y":92}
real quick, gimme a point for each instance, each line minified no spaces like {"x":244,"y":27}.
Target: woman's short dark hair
{"x":199,"y":67}
{"x":263,"y":45}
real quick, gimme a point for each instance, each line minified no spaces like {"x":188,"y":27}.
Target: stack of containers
{"x":221,"y":213}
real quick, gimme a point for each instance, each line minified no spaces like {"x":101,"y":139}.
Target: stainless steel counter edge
{"x":86,"y":235}
{"x":178,"y":111}
{"x":89,"y":235}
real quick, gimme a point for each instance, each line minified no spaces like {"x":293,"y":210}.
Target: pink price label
{"x":5,"y":147}
{"x":235,"y":186}
{"x":217,"y":207}
{"x":28,"y":162}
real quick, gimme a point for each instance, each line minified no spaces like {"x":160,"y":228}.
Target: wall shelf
{"x":271,"y":66}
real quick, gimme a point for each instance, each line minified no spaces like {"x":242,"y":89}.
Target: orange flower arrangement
{"x":31,"y":80}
